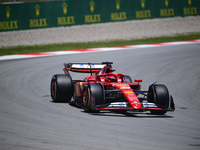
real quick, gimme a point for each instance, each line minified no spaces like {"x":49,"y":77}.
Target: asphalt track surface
{"x":29,"y":120}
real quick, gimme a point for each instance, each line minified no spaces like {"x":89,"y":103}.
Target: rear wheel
{"x":159,"y":95}
{"x":61,"y":88}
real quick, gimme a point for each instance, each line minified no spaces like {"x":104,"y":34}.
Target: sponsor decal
{"x":37,"y":10}
{"x":78,"y":92}
{"x":8,"y":25}
{"x":118,"y":15}
{"x":92,"y":66}
{"x":117,"y":4}
{"x":40,"y":22}
{"x":81,"y":65}
{"x":190,"y":10}
{"x":167,"y":11}
{"x":64,"y":6}
{"x":143,"y":13}
{"x":149,"y":105}
{"x":91,"y":6}
{"x":121,"y":105}
{"x":129,"y":92}
{"x":66,"y":20}
{"x":7,"y":12}
{"x":142,"y":3}
{"x":145,"y":105}
{"x":92,"y":17}
{"x":124,"y":87}
{"x":136,"y":106}
{"x":166,"y":3}
{"x":81,"y":85}
{"x":189,"y":2}
{"x":121,"y":85}
{"x":117,"y":104}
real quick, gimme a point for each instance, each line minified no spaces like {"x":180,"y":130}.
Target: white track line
{"x":23,"y":56}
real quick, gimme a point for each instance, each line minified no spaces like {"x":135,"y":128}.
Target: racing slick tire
{"x":159,"y":95}
{"x":61,"y":88}
{"x":93,"y":94}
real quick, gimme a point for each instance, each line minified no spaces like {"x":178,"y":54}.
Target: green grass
{"x":112,"y":43}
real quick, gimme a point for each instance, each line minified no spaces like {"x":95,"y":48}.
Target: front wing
{"x":145,"y":106}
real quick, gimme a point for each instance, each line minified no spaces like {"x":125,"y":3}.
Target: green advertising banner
{"x":166,"y":8}
{"x":118,"y":10}
{"x":144,"y":9}
{"x":10,"y":17}
{"x":190,"y":7}
{"x":34,"y":15}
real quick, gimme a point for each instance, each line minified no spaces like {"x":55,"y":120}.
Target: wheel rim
{"x":53,"y":89}
{"x":85,"y":98}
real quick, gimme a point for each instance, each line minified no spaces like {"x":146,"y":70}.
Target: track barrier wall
{"x":34,"y":15}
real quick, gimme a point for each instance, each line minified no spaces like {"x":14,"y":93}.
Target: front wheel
{"x":86,"y":99}
{"x":159,"y":95}
{"x":93,"y":94}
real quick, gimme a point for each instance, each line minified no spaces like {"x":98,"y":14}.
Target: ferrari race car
{"x":106,"y":90}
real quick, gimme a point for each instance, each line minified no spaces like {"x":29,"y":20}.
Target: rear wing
{"x":83,"y":67}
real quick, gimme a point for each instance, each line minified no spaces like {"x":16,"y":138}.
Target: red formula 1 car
{"x":107,"y":90}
